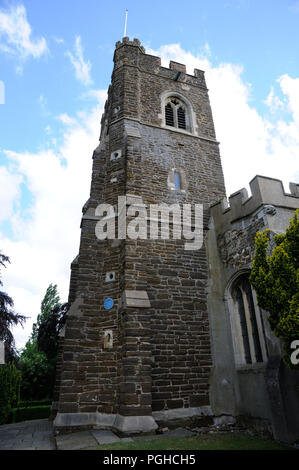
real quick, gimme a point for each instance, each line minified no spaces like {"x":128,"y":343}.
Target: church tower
{"x":136,"y":350}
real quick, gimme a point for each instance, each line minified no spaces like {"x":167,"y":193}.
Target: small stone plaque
{"x":108,"y":339}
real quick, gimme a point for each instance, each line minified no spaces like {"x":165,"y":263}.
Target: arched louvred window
{"x":175,"y":113}
{"x":169,"y":117}
{"x":181,"y":118}
{"x":247,"y":314}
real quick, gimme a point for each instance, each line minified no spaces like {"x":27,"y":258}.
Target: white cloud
{"x":43,"y":104}
{"x":15,"y":35}
{"x":207,"y":49}
{"x":67,"y":120}
{"x":82,"y":68}
{"x":273,"y":102}
{"x":290,"y":88}
{"x":249,"y":143}
{"x":58,"y":40}
{"x":9,"y":192}
{"x":47,"y":240}
{"x":28,"y":304}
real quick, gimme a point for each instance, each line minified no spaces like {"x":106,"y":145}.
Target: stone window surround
{"x":116,"y":154}
{"x":175,"y":107}
{"x":108,"y":339}
{"x":190,"y":117}
{"x":183,"y":180}
{"x":236,"y":331}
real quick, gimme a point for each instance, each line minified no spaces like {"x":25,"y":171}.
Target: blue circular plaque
{"x":108,"y":303}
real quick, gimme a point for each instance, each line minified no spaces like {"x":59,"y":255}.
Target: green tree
{"x":49,"y":302}
{"x":10,"y":379}
{"x":49,"y":329}
{"x":275,"y":278}
{"x":37,"y":373}
{"x":38,"y":358}
{"x":8,"y":319}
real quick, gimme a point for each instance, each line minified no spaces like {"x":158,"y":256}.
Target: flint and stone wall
{"x":159,"y":356}
{"x":265,"y":393}
{"x":164,"y":352}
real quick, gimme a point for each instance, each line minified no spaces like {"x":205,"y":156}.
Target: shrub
{"x":30,"y":412}
{"x":275,"y":279}
{"x":10,"y":379}
{"x":26,"y":403}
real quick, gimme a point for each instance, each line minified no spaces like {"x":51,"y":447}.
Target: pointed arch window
{"x":248,"y":328}
{"x":169,"y":115}
{"x":176,"y":180}
{"x":176,"y":113}
{"x":181,"y":118}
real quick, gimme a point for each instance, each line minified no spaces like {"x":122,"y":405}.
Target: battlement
{"x":135,"y":55}
{"x":264,"y":192}
{"x":126,"y":41}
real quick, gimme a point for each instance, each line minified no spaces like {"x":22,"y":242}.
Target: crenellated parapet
{"x":126,"y":41}
{"x":265,"y":192}
{"x":133,"y":53}
{"x":141,"y":85}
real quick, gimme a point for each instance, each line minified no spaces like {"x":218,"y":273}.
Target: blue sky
{"x":56,"y":60}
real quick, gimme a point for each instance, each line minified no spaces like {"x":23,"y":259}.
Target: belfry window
{"x":249,"y":326}
{"x":181,"y":118}
{"x":175,"y":113}
{"x":169,"y":116}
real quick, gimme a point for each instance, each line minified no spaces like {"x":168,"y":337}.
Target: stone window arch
{"x":177,"y":180}
{"x":177,"y":112}
{"x":247,"y":324}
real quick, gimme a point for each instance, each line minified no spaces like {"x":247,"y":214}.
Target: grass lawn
{"x":229,"y":441}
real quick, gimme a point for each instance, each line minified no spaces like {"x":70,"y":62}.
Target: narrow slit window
{"x":177,"y":180}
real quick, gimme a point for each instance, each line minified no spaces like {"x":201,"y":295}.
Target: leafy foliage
{"x":49,"y":302}
{"x":3,"y":259}
{"x":49,"y":329}
{"x":37,"y":372}
{"x":29,"y":413}
{"x":30,"y":403}
{"x":276,"y":281}
{"x":38,"y":358}
{"x":10,"y":379}
{"x":8,"y":318}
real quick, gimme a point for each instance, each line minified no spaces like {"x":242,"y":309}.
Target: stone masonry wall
{"x":160,"y":357}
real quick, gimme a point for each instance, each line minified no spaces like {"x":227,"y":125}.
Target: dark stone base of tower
{"x":165,"y":351}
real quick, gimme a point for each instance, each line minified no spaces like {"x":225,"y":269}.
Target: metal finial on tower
{"x":125,"y":30}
